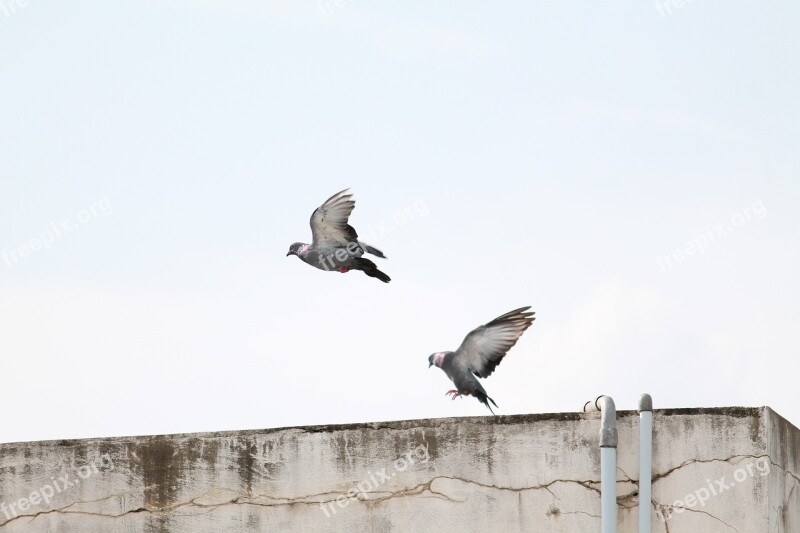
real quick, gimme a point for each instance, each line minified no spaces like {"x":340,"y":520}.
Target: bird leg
{"x":455,"y":394}
{"x":343,"y":269}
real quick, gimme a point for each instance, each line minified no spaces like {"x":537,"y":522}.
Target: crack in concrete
{"x":712,"y":516}
{"x":658,"y":477}
{"x":109,"y":497}
{"x":313,"y":499}
{"x":581,"y":512}
{"x":627,"y":477}
{"x":413,"y":491}
{"x":64,"y":511}
{"x":789,"y":473}
{"x":624,"y":501}
{"x":660,"y":508}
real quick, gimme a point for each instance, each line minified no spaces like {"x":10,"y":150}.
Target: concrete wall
{"x":505,"y":473}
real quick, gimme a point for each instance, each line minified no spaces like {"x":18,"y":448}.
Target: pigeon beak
{"x":430,"y":365}
{"x":288,"y":253}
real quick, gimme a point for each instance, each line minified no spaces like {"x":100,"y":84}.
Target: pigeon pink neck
{"x":438,"y":358}
{"x":303,"y":249}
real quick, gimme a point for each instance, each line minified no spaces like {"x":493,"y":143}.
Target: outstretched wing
{"x":329,"y":225}
{"x":485,"y":346}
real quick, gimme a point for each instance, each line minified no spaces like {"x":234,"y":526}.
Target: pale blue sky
{"x":521,"y":153}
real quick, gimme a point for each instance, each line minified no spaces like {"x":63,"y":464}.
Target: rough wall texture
{"x":715,"y":470}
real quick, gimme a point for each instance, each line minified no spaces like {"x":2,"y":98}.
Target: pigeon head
{"x":296,"y":249}
{"x":436,"y":359}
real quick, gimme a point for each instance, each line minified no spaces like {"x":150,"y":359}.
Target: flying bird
{"x":480,"y":353}
{"x":335,"y":244}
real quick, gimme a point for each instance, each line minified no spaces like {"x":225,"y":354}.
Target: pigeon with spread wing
{"x":481,"y":352}
{"x":335,"y":244}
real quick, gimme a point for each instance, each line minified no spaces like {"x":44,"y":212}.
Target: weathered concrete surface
{"x":505,"y":473}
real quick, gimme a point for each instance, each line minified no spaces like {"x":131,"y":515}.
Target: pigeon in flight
{"x":335,"y":243}
{"x":480,"y":352}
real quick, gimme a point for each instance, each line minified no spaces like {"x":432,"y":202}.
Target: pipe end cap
{"x":645,"y":402}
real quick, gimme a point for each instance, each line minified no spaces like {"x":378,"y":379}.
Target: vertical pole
{"x":645,"y":462}
{"x":608,"y":461}
{"x":608,"y":489}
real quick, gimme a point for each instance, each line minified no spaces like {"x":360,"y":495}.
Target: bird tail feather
{"x":483,"y":398}
{"x":369,"y":268}
{"x":372,"y":250}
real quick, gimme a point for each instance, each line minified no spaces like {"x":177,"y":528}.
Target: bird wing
{"x":329,"y":225}
{"x":485,"y":346}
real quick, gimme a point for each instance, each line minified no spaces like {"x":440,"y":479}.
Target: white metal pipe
{"x":608,"y":490}
{"x":608,"y":461}
{"x":645,"y":462}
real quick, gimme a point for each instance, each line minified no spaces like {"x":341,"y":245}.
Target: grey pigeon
{"x":480,"y":352}
{"x":335,"y":243}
